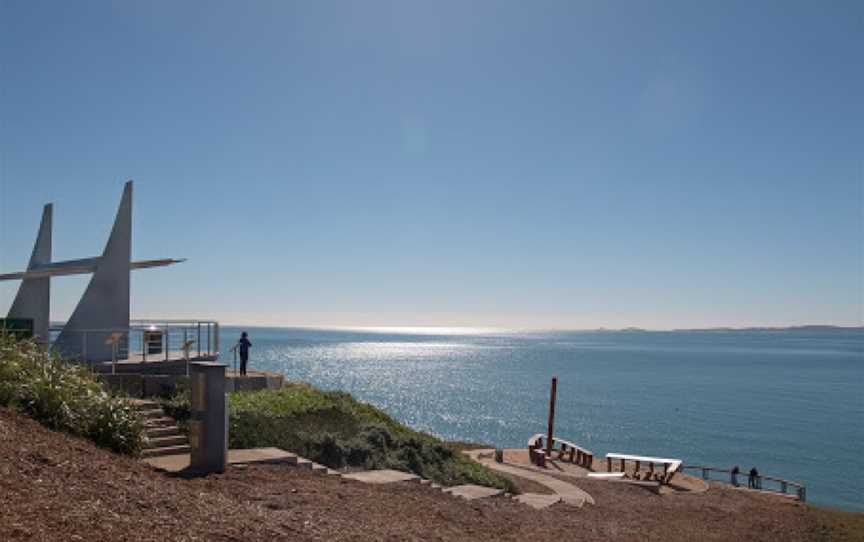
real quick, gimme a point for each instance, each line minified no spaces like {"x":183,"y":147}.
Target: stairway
{"x":163,"y":435}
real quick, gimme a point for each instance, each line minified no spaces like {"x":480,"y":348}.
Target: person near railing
{"x":243,"y":346}
{"x":753,"y":481}
{"x":735,"y":472}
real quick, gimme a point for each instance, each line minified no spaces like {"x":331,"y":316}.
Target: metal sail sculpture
{"x":34,"y":295}
{"x":104,"y":307}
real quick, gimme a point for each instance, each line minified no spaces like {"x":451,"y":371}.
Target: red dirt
{"x":56,"y":487}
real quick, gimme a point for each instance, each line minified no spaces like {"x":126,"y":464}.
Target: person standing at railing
{"x":735,"y":472}
{"x":243,"y":346}
{"x":753,"y":480}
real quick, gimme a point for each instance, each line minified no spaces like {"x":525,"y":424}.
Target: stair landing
{"x":181,"y":461}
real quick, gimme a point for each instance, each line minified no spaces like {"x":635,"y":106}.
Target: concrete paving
{"x":261,"y":455}
{"x":471,"y":492}
{"x":381,"y":476}
{"x":538,"y":501}
{"x":180,"y":462}
{"x":568,"y":492}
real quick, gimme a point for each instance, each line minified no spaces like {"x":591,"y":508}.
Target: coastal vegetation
{"x":65,"y":397}
{"x":336,"y":430}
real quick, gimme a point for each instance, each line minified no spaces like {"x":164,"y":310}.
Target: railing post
{"x":608,"y":464}
{"x":209,"y":324}
{"x":167,"y":343}
{"x":199,"y":339}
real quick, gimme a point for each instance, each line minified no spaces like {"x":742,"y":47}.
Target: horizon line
{"x":502,"y":329}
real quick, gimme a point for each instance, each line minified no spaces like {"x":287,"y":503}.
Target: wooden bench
{"x":606,"y":475}
{"x":670,"y":466}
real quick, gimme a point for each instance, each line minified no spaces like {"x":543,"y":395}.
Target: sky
{"x":571,"y":164}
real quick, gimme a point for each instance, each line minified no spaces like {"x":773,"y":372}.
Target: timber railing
{"x":774,"y":485}
{"x":566,"y":450}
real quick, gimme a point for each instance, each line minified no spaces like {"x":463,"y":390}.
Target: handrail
{"x":800,"y":488}
{"x":148,"y":340}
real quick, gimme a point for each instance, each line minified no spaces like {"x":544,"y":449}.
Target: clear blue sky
{"x":530,"y":164}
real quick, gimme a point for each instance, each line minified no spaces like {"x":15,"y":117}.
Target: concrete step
{"x":159,"y":422}
{"x":162,"y":431}
{"x":383,"y":476}
{"x":470,"y":492}
{"x":142,"y":404}
{"x":163,"y":442}
{"x":152,"y":413}
{"x":167,"y":450}
{"x":538,"y":501}
{"x":304,"y":463}
{"x":318,"y":468}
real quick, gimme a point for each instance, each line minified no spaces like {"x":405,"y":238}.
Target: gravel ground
{"x":55,"y":487}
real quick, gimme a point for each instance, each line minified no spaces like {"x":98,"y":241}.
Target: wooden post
{"x":551,"y":415}
{"x":608,"y":464}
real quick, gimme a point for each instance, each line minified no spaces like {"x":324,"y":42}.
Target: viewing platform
{"x":135,"y":348}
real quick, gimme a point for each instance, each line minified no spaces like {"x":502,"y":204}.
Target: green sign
{"x":22,"y":328}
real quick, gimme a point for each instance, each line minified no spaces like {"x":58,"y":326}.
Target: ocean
{"x":790,"y":403}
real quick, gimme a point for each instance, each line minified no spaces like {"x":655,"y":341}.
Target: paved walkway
{"x":384,"y":476}
{"x":470,"y":492}
{"x":180,"y":462}
{"x":567,"y":492}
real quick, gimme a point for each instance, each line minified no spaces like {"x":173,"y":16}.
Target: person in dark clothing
{"x":243,"y":345}
{"x":753,"y":479}
{"x":735,"y":472}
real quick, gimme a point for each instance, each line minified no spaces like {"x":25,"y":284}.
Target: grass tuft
{"x":65,"y":397}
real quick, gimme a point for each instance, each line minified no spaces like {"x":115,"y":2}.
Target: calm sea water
{"x":789,"y":403}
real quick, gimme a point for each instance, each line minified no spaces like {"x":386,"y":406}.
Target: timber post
{"x":551,"y":415}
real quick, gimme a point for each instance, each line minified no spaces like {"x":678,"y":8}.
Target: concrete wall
{"x":138,"y":385}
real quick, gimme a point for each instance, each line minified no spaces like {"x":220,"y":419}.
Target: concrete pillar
{"x":208,"y":427}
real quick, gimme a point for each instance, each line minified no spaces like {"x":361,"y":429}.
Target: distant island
{"x":803,"y":328}
{"x":813,"y":328}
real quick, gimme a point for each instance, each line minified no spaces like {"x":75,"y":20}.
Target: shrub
{"x":336,"y":430}
{"x":178,"y":407}
{"x":65,"y":397}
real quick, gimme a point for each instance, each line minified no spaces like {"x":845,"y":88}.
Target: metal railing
{"x":761,"y":482}
{"x":145,"y":341}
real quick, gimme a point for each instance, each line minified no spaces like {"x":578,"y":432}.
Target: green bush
{"x":178,"y":407}
{"x":336,"y":430}
{"x":65,"y":397}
